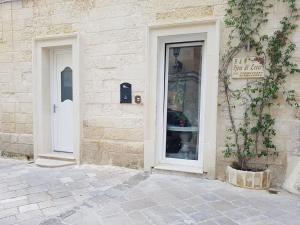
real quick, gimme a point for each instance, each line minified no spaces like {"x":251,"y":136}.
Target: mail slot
{"x":125,"y":93}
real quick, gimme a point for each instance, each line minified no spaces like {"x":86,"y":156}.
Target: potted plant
{"x":250,"y":105}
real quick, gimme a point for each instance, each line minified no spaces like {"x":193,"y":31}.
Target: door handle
{"x":54,"y":108}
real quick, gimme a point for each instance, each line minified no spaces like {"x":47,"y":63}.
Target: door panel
{"x":182,"y":103}
{"x":62,"y":94}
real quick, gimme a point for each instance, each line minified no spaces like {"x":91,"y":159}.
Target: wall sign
{"x":247,"y":67}
{"x":125,"y":93}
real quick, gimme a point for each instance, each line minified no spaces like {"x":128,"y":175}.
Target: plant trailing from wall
{"x":251,"y":135}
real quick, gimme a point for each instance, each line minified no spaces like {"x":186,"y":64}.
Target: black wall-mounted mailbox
{"x":125,"y":93}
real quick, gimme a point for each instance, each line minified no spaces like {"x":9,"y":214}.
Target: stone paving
{"x":95,"y":195}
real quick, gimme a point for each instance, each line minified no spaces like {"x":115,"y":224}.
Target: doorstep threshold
{"x":58,"y":155}
{"x":53,"y":163}
{"x":179,"y":168}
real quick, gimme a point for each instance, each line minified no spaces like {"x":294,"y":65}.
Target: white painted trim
{"x":156,"y":33}
{"x":56,"y":37}
{"x":41,"y":113}
{"x":197,"y":22}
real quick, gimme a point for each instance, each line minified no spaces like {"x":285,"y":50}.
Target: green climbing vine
{"x":251,"y":136}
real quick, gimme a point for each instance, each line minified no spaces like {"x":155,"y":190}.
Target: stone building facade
{"x":112,"y":42}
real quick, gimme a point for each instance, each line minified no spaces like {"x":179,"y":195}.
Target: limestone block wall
{"x":113,"y":40}
{"x":113,"y":44}
{"x":287,"y":123}
{"x":16,"y":79}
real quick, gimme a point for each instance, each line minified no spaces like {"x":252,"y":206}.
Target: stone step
{"x":181,"y":171}
{"x":55,"y":159}
{"x":58,"y":156}
{"x":52,"y":163}
{"x":292,"y":182}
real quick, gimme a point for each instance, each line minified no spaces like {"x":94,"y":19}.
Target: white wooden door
{"x":62,"y":100}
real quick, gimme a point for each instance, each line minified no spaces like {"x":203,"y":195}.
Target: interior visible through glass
{"x":183,"y":101}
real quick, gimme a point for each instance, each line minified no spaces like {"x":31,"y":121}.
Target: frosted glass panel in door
{"x":66,"y":84}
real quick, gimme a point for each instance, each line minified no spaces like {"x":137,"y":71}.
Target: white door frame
{"x":162,"y":109}
{"x":207,"y":29}
{"x":41,"y":91}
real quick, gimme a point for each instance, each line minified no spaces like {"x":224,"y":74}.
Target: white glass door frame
{"x":207,"y":30}
{"x":162,"y":159}
{"x":55,"y":96}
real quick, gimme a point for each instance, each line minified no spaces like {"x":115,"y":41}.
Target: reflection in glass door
{"x":182,"y":100}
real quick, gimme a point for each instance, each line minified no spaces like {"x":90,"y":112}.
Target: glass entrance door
{"x":182,"y":102}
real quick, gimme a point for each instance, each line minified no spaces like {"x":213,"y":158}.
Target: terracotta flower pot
{"x":248,"y":179}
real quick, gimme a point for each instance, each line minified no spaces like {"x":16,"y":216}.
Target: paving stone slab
{"x":88,"y":195}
